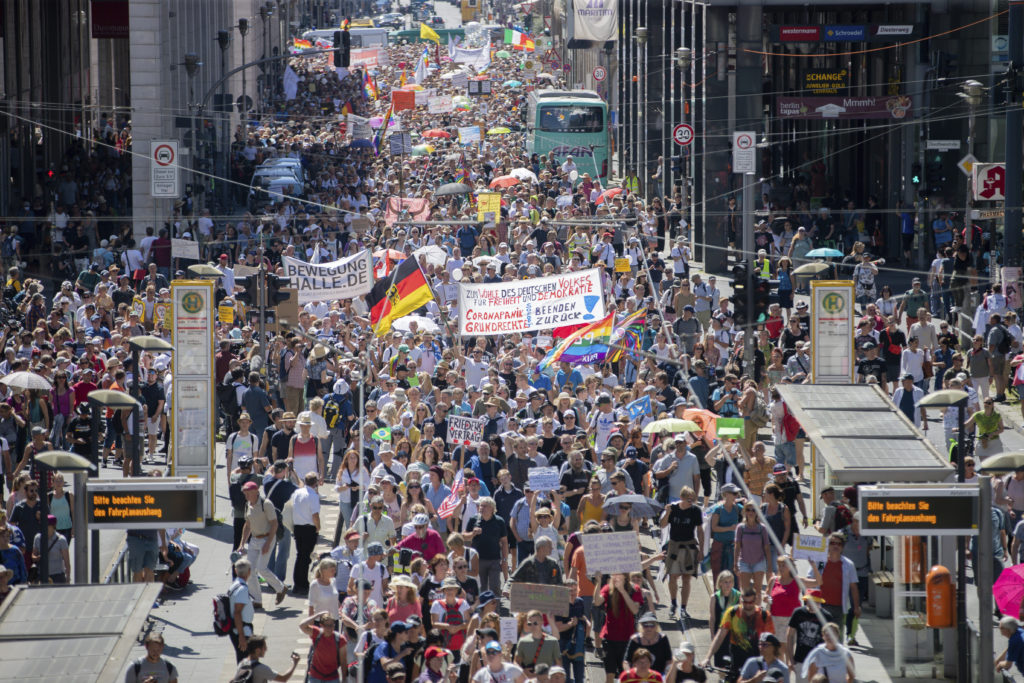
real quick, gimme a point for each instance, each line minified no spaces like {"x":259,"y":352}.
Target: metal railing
{"x":117,"y":570}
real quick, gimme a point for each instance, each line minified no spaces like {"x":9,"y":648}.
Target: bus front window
{"x":565,"y":119}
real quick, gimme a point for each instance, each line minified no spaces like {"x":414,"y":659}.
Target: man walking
{"x":259,"y":534}
{"x":306,"y":515}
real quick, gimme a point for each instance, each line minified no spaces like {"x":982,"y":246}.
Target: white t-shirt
{"x":323,"y":598}
{"x":375,"y":576}
{"x":437,"y":610}
{"x":830,"y":662}
{"x":605,"y":423}
{"x":476,"y":371}
{"x":509,"y":673}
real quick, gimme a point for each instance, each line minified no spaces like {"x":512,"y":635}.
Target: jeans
{"x":344,"y":513}
{"x":305,"y":543}
{"x":259,"y":561}
{"x":490,"y":576}
{"x":278,"y":560}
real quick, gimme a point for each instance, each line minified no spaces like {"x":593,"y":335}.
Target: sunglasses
{"x":748,"y":602}
{"x":377,"y":508}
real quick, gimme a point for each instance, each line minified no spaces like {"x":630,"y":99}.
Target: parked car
{"x":391,"y":19}
{"x":437,"y":22}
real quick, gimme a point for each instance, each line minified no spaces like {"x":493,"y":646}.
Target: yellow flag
{"x":401,"y":81}
{"x":427,"y":33}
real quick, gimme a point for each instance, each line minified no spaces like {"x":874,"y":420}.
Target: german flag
{"x":398,"y":295}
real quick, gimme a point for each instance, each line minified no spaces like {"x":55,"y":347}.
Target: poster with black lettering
{"x":342,"y":279}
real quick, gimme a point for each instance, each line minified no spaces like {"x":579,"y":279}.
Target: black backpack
{"x":1003,"y":345}
{"x":227,"y":397}
{"x":244,"y":673}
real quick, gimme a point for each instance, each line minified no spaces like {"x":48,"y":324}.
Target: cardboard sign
{"x":469,"y":134}
{"x":185,"y":249}
{"x":403,"y":99}
{"x":226,"y":314}
{"x":614,"y":553}
{"x":547,"y":599}
{"x":543,"y":478}
{"x":442,"y":104}
{"x":812,"y":547}
{"x":359,"y":127}
{"x":509,"y":630}
{"x":622,"y":265}
{"x":423,"y":96}
{"x":465,"y":430}
{"x":460,"y":80}
{"x":400,"y":144}
{"x":488,"y":207}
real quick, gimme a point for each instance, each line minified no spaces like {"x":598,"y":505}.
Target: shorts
{"x":142,"y":553}
{"x":614,"y":651}
{"x":785,"y":298}
{"x":999,"y":368}
{"x":747,"y":568}
{"x":785,"y":453}
{"x":152,"y":426}
{"x":682,"y":558}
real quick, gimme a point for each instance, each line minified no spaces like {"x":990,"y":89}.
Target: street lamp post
{"x":139,"y":344}
{"x":69,"y":462}
{"x":192,"y":65}
{"x":953,"y":398}
{"x":224,"y":41}
{"x":640,"y":164}
{"x":113,"y":400}
{"x":971,"y":93}
{"x":243,"y":30}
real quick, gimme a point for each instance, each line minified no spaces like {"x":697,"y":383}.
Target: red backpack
{"x":453,"y":616}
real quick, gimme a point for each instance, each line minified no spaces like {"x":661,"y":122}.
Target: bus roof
{"x":413,"y":36}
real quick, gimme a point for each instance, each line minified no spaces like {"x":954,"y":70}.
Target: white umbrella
{"x":524,"y":174}
{"x":423,"y":324}
{"x":26,"y":380}
{"x":484,"y":261}
{"x":435,"y":255}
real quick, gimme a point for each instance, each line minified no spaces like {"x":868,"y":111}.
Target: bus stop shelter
{"x":72,"y":633}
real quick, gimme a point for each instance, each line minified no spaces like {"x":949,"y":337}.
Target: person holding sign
{"x":622,"y":601}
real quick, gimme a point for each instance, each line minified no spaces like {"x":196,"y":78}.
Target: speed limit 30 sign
{"x":599,"y":73}
{"x":683,"y":134}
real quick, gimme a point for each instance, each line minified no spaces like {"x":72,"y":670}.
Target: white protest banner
{"x":479,"y":57}
{"x":423,"y":96}
{"x":460,"y":80}
{"x":508,"y":630}
{"x":543,"y":478}
{"x":342,"y":279}
{"x":595,"y":19}
{"x":465,"y":430}
{"x":369,"y":56}
{"x":442,"y":104}
{"x":400,"y":143}
{"x":541,"y":303}
{"x":469,"y":134}
{"x":614,"y":553}
{"x":359,"y":127}
{"x":812,"y":547}
{"x":184,"y":249}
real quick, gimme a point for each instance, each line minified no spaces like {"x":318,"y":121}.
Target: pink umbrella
{"x":377,"y":120}
{"x":1009,"y":590}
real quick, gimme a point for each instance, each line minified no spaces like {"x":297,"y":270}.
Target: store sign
{"x":812,"y":107}
{"x":989,"y":181}
{"x":902,"y":510}
{"x":799,"y":34}
{"x":142,"y":503}
{"x":884,"y":30}
{"x":826,"y":81}
{"x":839,"y":34}
{"x":109,"y":18}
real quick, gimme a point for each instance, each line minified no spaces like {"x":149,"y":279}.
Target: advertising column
{"x":192,"y":409}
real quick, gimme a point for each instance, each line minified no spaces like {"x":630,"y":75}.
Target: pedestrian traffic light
{"x":346,"y":47}
{"x":337,"y":48}
{"x":740,"y":281}
{"x":915,"y":173}
{"x":250,"y":294}
{"x":276,"y":289}
{"x":762,"y":298}
{"x":677,"y":164}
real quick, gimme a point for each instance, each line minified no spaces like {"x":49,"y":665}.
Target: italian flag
{"x":518,"y":40}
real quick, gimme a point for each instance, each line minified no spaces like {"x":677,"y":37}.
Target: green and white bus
{"x":572,"y":123}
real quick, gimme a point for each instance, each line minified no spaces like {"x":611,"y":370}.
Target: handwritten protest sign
{"x":465,"y":430}
{"x":342,"y":279}
{"x":614,"y":553}
{"x":460,"y":80}
{"x":469,"y":134}
{"x":541,"y":303}
{"x":509,"y":630}
{"x":543,"y":478}
{"x":622,"y":265}
{"x":360,"y":128}
{"x":442,"y":104}
{"x":185,"y":249}
{"x":547,"y":599}
{"x":813,"y":547}
{"x":488,"y":206}
{"x":400,"y":143}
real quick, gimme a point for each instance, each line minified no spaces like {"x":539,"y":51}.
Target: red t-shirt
{"x":325,"y":657}
{"x":832,"y":583}
{"x":619,"y":627}
{"x":631,"y":676}
{"x":428,"y":547}
{"x":82,"y":391}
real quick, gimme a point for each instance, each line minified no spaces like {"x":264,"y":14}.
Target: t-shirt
{"x":619,"y":627}
{"x":325,"y":653}
{"x":376,"y":576}
{"x":808,"y":632}
{"x":261,"y":673}
{"x":833,"y":663}
{"x":56,"y":546}
{"x":631,"y":676}
{"x":743,"y":630}
{"x":688,"y":469}
{"x":162,"y":670}
{"x":488,"y":543}
{"x":756,"y":664}
{"x":509,"y":673}
{"x":531,"y":653}
{"x":683,"y":524}
{"x":726,"y":518}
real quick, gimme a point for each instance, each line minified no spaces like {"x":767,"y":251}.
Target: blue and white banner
{"x":639,"y":408}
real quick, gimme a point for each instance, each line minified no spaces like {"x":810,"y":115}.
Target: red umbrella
{"x":436,"y":133}
{"x":608,"y":194}
{"x":504,"y":181}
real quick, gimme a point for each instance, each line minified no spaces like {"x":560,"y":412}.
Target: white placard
{"x":460,"y":80}
{"x":163,"y":165}
{"x":465,"y":430}
{"x":596,"y":20}
{"x":542,"y":303}
{"x":441,"y":104}
{"x":469,"y":134}
{"x":542,"y":478}
{"x":508,"y":630}
{"x":400,"y":144}
{"x":614,"y":553}
{"x":184,"y":248}
{"x":342,"y":279}
{"x":812,"y":547}
{"x":744,"y":152}
{"x":359,"y":127}
{"x":832,"y":359}
{"x":423,"y":96}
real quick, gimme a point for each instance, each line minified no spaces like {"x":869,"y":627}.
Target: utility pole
{"x":972,"y":95}
{"x":748,"y":254}
{"x":1014,"y":120}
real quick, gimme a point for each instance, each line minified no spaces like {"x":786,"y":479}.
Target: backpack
{"x":137,"y":666}
{"x":282,"y":366}
{"x":312,"y":651}
{"x":844,"y":516}
{"x":1003,"y":345}
{"x":227,"y":397}
{"x":759,"y":416}
{"x":244,"y":673}
{"x":367,"y":662}
{"x":223,"y":619}
{"x":453,"y":616}
{"x":332,"y":410}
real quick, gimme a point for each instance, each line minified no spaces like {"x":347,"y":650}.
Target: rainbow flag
{"x":301,"y":44}
{"x":370,"y":88}
{"x":462,"y":172}
{"x":628,"y":333}
{"x":379,"y":137}
{"x":590,"y":344}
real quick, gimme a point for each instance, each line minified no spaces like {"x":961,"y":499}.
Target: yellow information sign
{"x":226,"y":314}
{"x":489,"y":207}
{"x":622,"y":265}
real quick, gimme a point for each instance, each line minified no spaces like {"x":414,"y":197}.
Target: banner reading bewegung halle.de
{"x":342,"y":279}
{"x":537,"y":304}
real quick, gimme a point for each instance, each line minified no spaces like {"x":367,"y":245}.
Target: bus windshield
{"x":571,"y":119}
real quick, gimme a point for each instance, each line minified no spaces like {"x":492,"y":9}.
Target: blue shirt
{"x":377,"y":672}
{"x":541,"y":382}
{"x":729,"y":408}
{"x":726,"y":518}
{"x":436,"y":496}
{"x":1015,"y":649}
{"x":573,"y":378}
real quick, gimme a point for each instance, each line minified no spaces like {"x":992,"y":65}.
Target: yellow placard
{"x":488,"y":203}
{"x":226,"y":314}
{"x":622,"y":265}
{"x":138,"y":307}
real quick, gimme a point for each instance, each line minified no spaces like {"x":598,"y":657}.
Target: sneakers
{"x":280,"y":596}
{"x":672,"y":611}
{"x":173,"y":586}
{"x":683,"y":614}
{"x":852,"y":642}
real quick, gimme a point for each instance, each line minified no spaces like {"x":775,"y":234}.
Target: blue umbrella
{"x":825,"y":252}
{"x":361,"y":142}
{"x":512,"y":84}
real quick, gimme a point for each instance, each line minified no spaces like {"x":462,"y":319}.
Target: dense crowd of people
{"x":434,"y":535}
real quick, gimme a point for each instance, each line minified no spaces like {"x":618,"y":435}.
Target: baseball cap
{"x":375,"y":549}
{"x":250,"y":486}
{"x":648,"y":618}
{"x":398,"y":627}
{"x":556,"y":670}
{"x":827,"y":489}
{"x":434,"y":651}
{"x":769,"y":638}
{"x":815,"y":595}
{"x":779,"y":468}
{"x":493,"y":646}
{"x":730,"y":488}
{"x":686,"y":647}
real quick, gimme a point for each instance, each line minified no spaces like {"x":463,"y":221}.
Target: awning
{"x":72,"y":634}
{"x":863,"y":436}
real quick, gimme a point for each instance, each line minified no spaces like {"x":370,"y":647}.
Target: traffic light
{"x":677,"y":164}
{"x":250,"y":284}
{"x":337,"y":48}
{"x":740,"y":280}
{"x":915,"y":173}
{"x":275,"y":289}
{"x":346,"y":47}
{"x":762,"y":297}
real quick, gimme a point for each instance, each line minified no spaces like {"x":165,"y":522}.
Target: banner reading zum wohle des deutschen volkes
{"x":526,"y":305}
{"x":342,"y":279}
